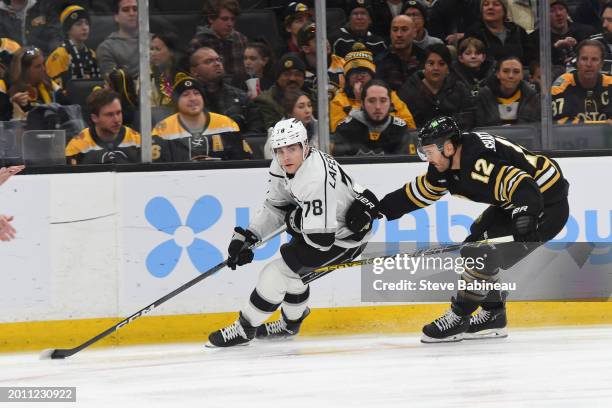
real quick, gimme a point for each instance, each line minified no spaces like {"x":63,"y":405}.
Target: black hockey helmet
{"x":437,"y":131}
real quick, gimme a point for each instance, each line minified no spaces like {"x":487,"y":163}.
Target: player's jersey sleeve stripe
{"x":424,"y":190}
{"x":412,"y":198}
{"x":516,"y":184}
{"x":436,"y":189}
{"x":551,"y":182}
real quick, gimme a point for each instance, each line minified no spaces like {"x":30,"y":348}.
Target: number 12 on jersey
{"x":483,"y":170}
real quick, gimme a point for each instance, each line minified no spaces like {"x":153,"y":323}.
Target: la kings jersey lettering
{"x":492,"y":169}
{"x":322,"y":189}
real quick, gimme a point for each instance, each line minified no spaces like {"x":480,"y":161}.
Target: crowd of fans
{"x":392,"y":66}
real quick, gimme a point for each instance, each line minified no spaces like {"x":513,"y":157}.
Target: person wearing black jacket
{"x":508,"y":99}
{"x":372,"y":130}
{"x":432,"y":92}
{"x":473,"y":68}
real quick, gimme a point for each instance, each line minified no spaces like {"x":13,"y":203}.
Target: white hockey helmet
{"x":288,"y":132}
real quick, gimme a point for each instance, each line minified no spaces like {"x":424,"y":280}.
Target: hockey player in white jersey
{"x":330,"y":221}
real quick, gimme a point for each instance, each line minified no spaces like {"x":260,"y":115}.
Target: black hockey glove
{"x":239,"y":252}
{"x":293,"y":219}
{"x":362,"y":213}
{"x":525,"y":225}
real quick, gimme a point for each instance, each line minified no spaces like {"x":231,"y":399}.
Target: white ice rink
{"x":532,"y":368}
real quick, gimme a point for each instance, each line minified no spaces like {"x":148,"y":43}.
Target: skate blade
{"x":487,"y":334}
{"x":450,"y":339}
{"x":209,"y":345}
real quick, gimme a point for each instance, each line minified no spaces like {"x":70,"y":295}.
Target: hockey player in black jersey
{"x":329,"y":218}
{"x":527,"y":194}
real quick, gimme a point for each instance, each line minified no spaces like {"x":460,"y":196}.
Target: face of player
{"x":472,"y":58}
{"x":558,"y":18}
{"x":224,"y":24}
{"x":433,"y":155}
{"x":297,"y":24}
{"x":127,"y":17}
{"x":254,"y":63}
{"x":402,"y":32}
{"x":302,"y":110}
{"x":589,"y":63}
{"x":291,"y":79}
{"x":36,"y":71}
{"x":290,"y":157}
{"x":359,"y":20}
{"x":161,"y":56}
{"x":109,"y":119}
{"x":606,"y":18}
{"x":492,"y":11}
{"x":207,"y":65}
{"x":377,"y":103}
{"x":510,"y":75}
{"x":79,"y":32}
{"x":190,"y":103}
{"x":436,"y":69}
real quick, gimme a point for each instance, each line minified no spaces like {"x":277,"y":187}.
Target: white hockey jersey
{"x":321,"y":188}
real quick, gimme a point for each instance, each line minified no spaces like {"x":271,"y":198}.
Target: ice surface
{"x":570,"y":367}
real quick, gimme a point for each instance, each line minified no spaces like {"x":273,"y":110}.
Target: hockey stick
{"x":324,"y":270}
{"x":63,"y":353}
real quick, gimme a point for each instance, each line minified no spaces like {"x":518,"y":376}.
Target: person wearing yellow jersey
{"x":107,"y":140}
{"x":359,"y":69}
{"x":30,"y":85}
{"x":8,"y":47}
{"x":73,"y":59}
{"x":193,"y":133}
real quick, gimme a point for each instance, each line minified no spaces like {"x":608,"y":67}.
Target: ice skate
{"x":448,"y":328}
{"x":487,"y":324}
{"x":282,"y":328}
{"x":238,"y":333}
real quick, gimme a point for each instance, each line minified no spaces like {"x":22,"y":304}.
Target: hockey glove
{"x":293,"y":219}
{"x":525,"y":225}
{"x":239,"y":252}
{"x":362,"y":213}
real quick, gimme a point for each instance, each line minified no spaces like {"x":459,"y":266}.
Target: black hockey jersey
{"x":571,"y":103}
{"x":493,"y":171}
{"x":88,"y":148}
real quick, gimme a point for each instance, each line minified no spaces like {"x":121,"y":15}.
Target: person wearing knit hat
{"x":417,"y":11}
{"x":290,"y":75}
{"x":356,"y":31}
{"x":433,"y":92}
{"x":297,"y":15}
{"x":73,"y":59}
{"x":494,"y":25}
{"x":564,"y":35}
{"x":359,"y":69}
{"x":193,"y":133}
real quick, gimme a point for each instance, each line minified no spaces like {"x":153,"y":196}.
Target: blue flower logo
{"x":161,"y":214}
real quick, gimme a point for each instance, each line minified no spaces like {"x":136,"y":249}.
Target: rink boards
{"x":96,"y":247}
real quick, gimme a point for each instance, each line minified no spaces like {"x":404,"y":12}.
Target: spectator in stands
{"x":296,"y":16}
{"x":433,"y":92}
{"x":208,"y":68}
{"x":359,"y":69}
{"x":259,"y":63}
{"x":403,"y":58}
{"x":383,"y":11}
{"x":30,"y":85}
{"x":605,"y":37}
{"x":523,"y":13}
{"x":8,"y":47}
{"x":107,"y":140}
{"x":417,"y":11}
{"x":472,"y":67}
{"x":564,"y":35}
{"x":31,"y":22}
{"x":500,"y":36}
{"x":290,"y":77}
{"x":221,"y":35}
{"x":535,"y":76}
{"x":194,"y":133}
{"x":73,"y":59}
{"x":583,"y":96}
{"x":165,"y":60}
{"x":449,"y":19}
{"x":356,"y":31}
{"x":121,"y":82}
{"x":508,"y":99}
{"x":372,"y":129}
{"x":297,"y":104}
{"x":120,"y":49}
{"x":590,"y":12}
{"x":335,"y":72}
